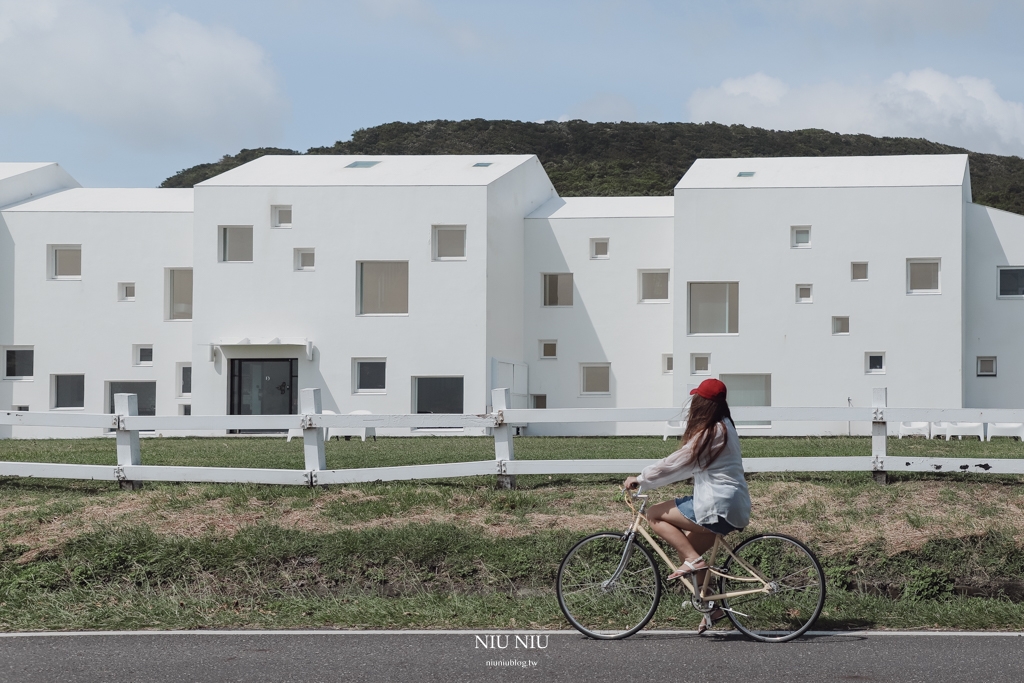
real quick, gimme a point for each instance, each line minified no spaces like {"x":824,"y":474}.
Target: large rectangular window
{"x":236,"y":243}
{"x":557,"y":289}
{"x":654,"y":286}
{"x":714,"y":307}
{"x":438,"y":394}
{"x":180,"y":294}
{"x":65,"y":262}
{"x":69,"y":391}
{"x":749,"y":390}
{"x":1011,"y":283}
{"x":145,"y":391}
{"x":923,"y":276}
{"x":383,"y":287}
{"x":19,"y":363}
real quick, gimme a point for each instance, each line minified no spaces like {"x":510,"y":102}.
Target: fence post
{"x":503,"y":447}
{"x":312,"y":437}
{"x":128,"y":451}
{"x":879,"y":434}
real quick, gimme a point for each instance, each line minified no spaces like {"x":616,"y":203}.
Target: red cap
{"x":711,"y":389}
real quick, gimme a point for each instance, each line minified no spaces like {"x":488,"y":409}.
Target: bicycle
{"x":771,"y":586}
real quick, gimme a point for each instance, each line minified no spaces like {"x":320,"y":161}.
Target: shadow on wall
{"x":6,"y":313}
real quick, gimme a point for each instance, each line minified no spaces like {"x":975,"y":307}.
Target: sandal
{"x":688,"y":568}
{"x":710,"y":619}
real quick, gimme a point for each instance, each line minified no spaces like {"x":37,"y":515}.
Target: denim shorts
{"x":685,"y":506}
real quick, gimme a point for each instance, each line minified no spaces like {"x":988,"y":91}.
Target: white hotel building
{"x":416,"y":284}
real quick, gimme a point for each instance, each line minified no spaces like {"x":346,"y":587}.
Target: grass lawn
{"x":925,"y":551}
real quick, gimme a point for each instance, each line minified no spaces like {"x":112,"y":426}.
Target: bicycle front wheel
{"x":607,"y":588}
{"x":795,"y":594}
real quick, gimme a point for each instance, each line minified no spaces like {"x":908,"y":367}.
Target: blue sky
{"x":126,"y":93}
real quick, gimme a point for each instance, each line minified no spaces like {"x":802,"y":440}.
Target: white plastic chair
{"x":298,"y":432}
{"x":911,"y":428}
{"x":962,"y":429}
{"x":349,"y":432}
{"x":939,"y":429}
{"x":1010,"y":429}
{"x":674,"y":429}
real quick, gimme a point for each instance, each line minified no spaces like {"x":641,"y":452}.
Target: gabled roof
{"x":606,"y":207}
{"x":9,"y":169}
{"x":334,"y":170}
{"x":925,"y":170}
{"x":112,"y":200}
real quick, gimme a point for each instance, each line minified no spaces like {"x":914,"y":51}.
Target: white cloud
{"x":424,"y":15}
{"x":166,"y":82}
{"x":604,"y":107}
{"x":964,"y":111}
{"x":891,"y":18}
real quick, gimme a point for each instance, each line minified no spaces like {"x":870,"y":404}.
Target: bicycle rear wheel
{"x":606,"y":588}
{"x":796,"y":592}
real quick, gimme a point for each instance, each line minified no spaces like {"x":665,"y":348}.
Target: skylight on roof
{"x":362,"y":164}
{"x":745,"y":174}
{"x":482,"y":164}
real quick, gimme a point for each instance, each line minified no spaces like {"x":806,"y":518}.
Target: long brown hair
{"x":701,"y":425}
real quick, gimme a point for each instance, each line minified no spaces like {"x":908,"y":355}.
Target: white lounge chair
{"x":911,"y":428}
{"x":349,"y":432}
{"x":1010,"y":429}
{"x":962,"y":429}
{"x":298,"y":432}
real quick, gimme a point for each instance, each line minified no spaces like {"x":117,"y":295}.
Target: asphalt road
{"x":423,"y":657}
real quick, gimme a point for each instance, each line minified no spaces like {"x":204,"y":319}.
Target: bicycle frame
{"x":720,"y":544}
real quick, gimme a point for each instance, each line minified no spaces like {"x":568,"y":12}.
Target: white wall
{"x":744,"y":235}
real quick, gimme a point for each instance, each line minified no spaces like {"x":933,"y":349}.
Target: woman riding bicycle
{"x":720,"y":502}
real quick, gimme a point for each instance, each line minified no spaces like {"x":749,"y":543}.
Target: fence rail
{"x":126,"y":424}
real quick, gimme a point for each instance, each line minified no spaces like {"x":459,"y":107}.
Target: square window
{"x":700,"y":363}
{"x":19,"y":363}
{"x":438,"y":395}
{"x":142,"y":354}
{"x":803,"y":294}
{"x":923,"y":276}
{"x":449,"y":242}
{"x":858,"y":272}
{"x":548,"y":348}
{"x":666,"y":363}
{"x":65,"y":262}
{"x":305,"y":259}
{"x":714,"y":307}
{"x":236,"y":243}
{"x":986,"y":366}
{"x":281,"y":216}
{"x":362,"y":164}
{"x":179,"y":287}
{"x":539,"y":401}
{"x":370,"y":375}
{"x":68,"y":391}
{"x":800,"y":237}
{"x":185,"y":409}
{"x":654,"y":286}
{"x":595,"y":378}
{"x":184,"y":379}
{"x":1011,"y":283}
{"x":557,"y":289}
{"x":840,"y":324}
{"x":126,"y":291}
{"x":749,"y":390}
{"x":599,"y":248}
{"x":874,"y":363}
{"x":383,"y":287}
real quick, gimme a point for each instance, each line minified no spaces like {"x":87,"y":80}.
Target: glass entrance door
{"x":264,"y":386}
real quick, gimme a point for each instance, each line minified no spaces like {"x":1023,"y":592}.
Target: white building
{"x":416,"y":284}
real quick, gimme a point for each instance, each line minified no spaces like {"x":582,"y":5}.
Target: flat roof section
{"x":606,"y":207}
{"x":112,"y":200}
{"x":925,"y":170}
{"x":317,"y":170}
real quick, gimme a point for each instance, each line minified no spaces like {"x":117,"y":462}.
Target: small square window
{"x":305,"y":259}
{"x":236,"y":243}
{"x":800,"y":236}
{"x":126,"y":291}
{"x":923,"y":276}
{"x":370,"y":375}
{"x":184,"y":379}
{"x":65,"y":262}
{"x":745,"y":174}
{"x":1011,"y":283}
{"x":874,"y":363}
{"x":142,"y":354}
{"x":19,"y":363}
{"x":548,"y":348}
{"x":449,"y":242}
{"x":858,"y":272}
{"x":700,"y":363}
{"x":281,"y":216}
{"x":666,"y":363}
{"x":68,"y":391}
{"x":557,"y":289}
{"x":803,"y":294}
{"x":539,"y":401}
{"x":986,"y":366}
{"x":185,"y":409}
{"x":653,"y":286}
{"x":482,"y":164}
{"x":362,"y":164}
{"x":599,"y":248}
{"x":595,"y":378}
{"x":840,"y":324}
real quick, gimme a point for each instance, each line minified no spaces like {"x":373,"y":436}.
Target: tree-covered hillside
{"x":620,"y":159}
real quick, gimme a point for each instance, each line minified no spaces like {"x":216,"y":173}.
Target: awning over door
{"x":262,"y":341}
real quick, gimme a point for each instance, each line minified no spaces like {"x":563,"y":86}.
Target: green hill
{"x":621,"y":159}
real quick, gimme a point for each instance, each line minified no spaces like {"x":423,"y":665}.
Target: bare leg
{"x":689,"y":539}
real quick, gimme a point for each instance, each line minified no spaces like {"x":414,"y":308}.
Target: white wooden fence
{"x":130,"y":471}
